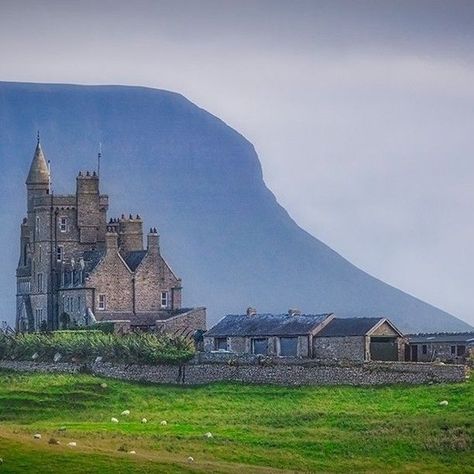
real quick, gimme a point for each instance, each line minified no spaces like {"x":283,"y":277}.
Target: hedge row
{"x":86,"y":346}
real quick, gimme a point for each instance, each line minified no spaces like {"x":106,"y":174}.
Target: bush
{"x":85,"y":346}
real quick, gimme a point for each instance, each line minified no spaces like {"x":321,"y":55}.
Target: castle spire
{"x":39,"y":171}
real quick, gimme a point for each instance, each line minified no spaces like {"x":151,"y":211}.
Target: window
{"x":260,"y":346}
{"x":37,"y":227}
{"x":164,"y":299}
{"x":40,"y":254}
{"x":453,"y":350}
{"x":461,"y":350}
{"x":38,"y":318}
{"x":59,"y":253}
{"x":102,"y":302}
{"x":78,"y":303}
{"x":40,"y":282}
{"x":63,"y":224}
{"x":220,"y":343}
{"x":424,"y":349}
{"x":288,"y":346}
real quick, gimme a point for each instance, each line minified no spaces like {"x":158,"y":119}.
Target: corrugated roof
{"x":266,"y":325}
{"x":340,"y":327}
{"x":442,"y":337}
{"x":134,"y":258}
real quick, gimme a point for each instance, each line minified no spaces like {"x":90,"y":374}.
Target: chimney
{"x":294,"y":312}
{"x":111,"y":239}
{"x":153,"y":241}
{"x":251,"y":311}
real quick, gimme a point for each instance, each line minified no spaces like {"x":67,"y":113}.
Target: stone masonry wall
{"x":314,"y":373}
{"x":340,"y":348}
{"x":190,"y":321}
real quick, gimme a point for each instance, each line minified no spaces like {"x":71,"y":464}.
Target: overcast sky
{"x":362,"y":112}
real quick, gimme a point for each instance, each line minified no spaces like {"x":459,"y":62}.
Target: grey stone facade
{"x":76,"y":267}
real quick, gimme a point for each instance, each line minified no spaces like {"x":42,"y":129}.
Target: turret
{"x":38,"y":180}
{"x":88,"y":207}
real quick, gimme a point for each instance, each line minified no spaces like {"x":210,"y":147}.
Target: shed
{"x":266,"y":334}
{"x":446,"y":347}
{"x":359,"y":339}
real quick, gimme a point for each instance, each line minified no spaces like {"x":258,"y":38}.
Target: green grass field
{"x":255,"y":428}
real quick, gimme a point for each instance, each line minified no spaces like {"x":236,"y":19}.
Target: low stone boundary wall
{"x":367,"y":373}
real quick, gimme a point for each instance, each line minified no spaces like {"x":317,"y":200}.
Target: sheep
{"x":163,"y":423}
{"x":114,"y":420}
{"x":443,"y":403}
{"x":103,"y":385}
{"x":1,"y":460}
{"x":190,"y":459}
{"x":37,"y":436}
{"x":209,"y":435}
{"x":72,"y":444}
{"x":125,"y":413}
{"x":132,"y":452}
{"x":144,"y":420}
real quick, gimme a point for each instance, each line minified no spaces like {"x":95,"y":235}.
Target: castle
{"x":75,"y":268}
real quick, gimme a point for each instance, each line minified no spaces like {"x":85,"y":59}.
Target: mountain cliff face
{"x":200,"y":182}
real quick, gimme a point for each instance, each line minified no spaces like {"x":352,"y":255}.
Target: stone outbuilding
{"x":288,"y":335}
{"x":359,"y":339}
{"x":445,"y":347}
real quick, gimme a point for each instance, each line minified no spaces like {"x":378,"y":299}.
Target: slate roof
{"x":266,"y":325}
{"x":39,"y":173}
{"x":464,"y":337}
{"x":340,"y":327}
{"x":138,"y":319}
{"x":134,"y":258}
{"x":91,"y":259}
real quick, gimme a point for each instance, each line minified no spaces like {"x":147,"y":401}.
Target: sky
{"x":361,"y":112}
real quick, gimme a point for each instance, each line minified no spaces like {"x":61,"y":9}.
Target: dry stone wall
{"x":262,"y":372}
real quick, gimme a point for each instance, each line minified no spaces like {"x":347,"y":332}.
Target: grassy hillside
{"x":255,"y":428}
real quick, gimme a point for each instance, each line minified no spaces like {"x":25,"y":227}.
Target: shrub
{"x":85,"y":346}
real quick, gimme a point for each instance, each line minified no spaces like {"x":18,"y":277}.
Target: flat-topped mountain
{"x":201,"y":181}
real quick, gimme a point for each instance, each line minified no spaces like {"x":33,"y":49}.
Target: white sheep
{"x":190,"y":459}
{"x":163,"y":423}
{"x":114,"y":420}
{"x":443,"y":403}
{"x":125,"y":413}
{"x":1,"y":460}
{"x":209,"y":435}
{"x":132,"y":452}
{"x":72,"y":444}
{"x":37,"y":436}
{"x":103,"y":385}
{"x":144,"y":420}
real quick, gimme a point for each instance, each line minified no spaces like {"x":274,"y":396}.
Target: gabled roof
{"x":134,"y":258}
{"x":267,"y":325}
{"x":39,"y":173}
{"x":92,"y":259}
{"x":463,"y":337}
{"x":341,"y":327}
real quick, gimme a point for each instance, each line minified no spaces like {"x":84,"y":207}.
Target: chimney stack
{"x":111,"y":239}
{"x":294,"y":312}
{"x":153,"y":241}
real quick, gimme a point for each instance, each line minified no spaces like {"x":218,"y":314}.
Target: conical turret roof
{"x":39,"y":173}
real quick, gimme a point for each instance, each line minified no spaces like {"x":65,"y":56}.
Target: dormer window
{"x":63,"y":224}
